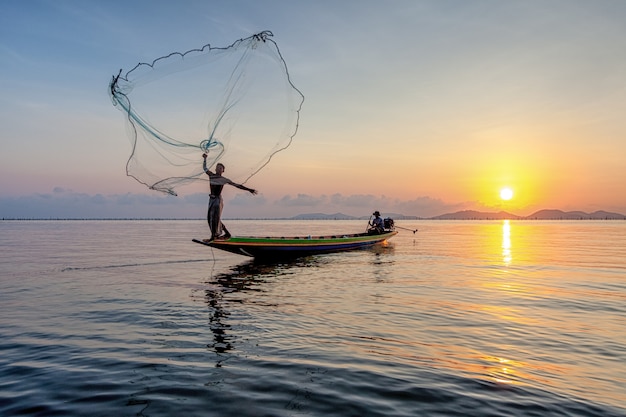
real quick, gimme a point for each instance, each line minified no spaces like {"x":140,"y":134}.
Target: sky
{"x":412,"y":107}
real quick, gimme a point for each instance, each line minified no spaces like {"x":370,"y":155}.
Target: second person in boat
{"x":377,"y":225}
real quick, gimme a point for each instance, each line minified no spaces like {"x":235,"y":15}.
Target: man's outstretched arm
{"x":204,"y":167}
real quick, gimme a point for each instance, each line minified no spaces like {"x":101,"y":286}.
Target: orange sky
{"x":437,"y":112}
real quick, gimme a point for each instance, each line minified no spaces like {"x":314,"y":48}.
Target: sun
{"x":506,"y":193}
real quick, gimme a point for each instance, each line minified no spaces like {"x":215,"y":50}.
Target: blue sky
{"x":419,"y":107}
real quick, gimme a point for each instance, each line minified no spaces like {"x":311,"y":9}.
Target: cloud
{"x":60,"y":190}
{"x":430,"y":207}
{"x":197,"y":198}
{"x":362,"y":204}
{"x":65,"y":204}
{"x":302,"y":200}
{"x":355,"y":200}
{"x":247,"y":200}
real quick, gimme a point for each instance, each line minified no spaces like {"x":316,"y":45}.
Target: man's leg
{"x":213,"y":217}
{"x":226,"y":234}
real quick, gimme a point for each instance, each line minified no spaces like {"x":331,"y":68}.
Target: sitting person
{"x":377,"y":225}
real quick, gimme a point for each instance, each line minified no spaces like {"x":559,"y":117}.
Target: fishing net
{"x":235,"y":103}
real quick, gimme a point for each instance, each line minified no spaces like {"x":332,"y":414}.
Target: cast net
{"x":235,"y":103}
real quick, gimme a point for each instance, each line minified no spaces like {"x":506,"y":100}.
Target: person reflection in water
{"x":216,"y":204}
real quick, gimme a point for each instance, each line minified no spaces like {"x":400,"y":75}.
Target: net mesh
{"x":235,"y":103}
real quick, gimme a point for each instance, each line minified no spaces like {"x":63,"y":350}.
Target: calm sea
{"x":131,"y":318}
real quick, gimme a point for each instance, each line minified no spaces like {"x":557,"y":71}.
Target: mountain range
{"x":479,"y":215}
{"x":538,"y":215}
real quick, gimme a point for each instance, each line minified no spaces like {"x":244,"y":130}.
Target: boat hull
{"x":282,"y":247}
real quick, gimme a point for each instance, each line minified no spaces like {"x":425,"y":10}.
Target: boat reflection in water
{"x":242,"y":284}
{"x":232,"y":294}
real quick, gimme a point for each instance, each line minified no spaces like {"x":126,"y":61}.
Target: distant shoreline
{"x":459,"y":215}
{"x":430,"y":219}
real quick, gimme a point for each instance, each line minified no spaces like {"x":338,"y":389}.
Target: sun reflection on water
{"x":506,"y":243}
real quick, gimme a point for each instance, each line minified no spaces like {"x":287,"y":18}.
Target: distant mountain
{"x":398,"y":216}
{"x":539,"y":215}
{"x":574,"y":215}
{"x":341,"y":216}
{"x":323,"y":216}
{"x":476,"y":215}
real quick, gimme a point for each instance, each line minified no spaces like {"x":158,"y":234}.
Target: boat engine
{"x":388,"y":223}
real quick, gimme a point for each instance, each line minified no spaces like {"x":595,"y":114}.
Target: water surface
{"x":516,"y":318}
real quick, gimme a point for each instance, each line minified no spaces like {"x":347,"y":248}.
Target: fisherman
{"x":377,"y":225}
{"x":216,"y":204}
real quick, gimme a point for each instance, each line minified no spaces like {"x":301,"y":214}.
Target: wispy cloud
{"x":302,"y":200}
{"x":65,"y":203}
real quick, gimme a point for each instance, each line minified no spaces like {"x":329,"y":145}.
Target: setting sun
{"x":506,"y":193}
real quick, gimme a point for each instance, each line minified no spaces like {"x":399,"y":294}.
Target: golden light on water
{"x":506,"y":242}
{"x":506,"y":289}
